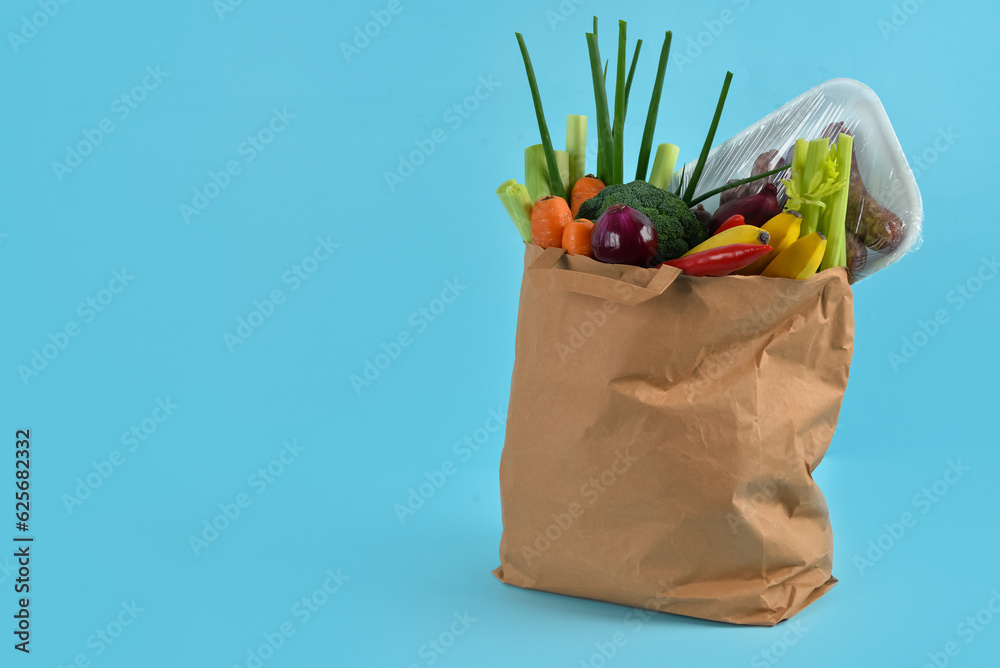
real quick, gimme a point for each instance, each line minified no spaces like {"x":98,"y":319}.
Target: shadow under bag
{"x":661,"y":436}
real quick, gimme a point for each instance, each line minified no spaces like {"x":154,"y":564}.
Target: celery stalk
{"x":543,"y":129}
{"x":576,"y":146}
{"x":663,"y":165}
{"x":812,"y":178}
{"x":619,"y":127}
{"x":536,"y":172}
{"x":516,"y":201}
{"x":836,"y":208}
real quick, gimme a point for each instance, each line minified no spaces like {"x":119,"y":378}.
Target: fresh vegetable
{"x":516,"y":201}
{"x":585,"y":188}
{"x":548,"y":218}
{"x":576,"y":237}
{"x":663,"y":165}
{"x":677,"y":228}
{"x":757,"y":209}
{"x":605,"y":142}
{"x":742,"y":234}
{"x":765,"y":162}
{"x":543,"y":129}
{"x":702,"y":214}
{"x":734,"y":186}
{"x":707,"y":146}
{"x":721,"y":260}
{"x":832,"y":219}
{"x":857,"y":257}
{"x":784,"y":230}
{"x":623,"y":235}
{"x":618,"y":130}
{"x":654,"y":107}
{"x":536,"y":170}
{"x":631,"y":72}
{"x":878,"y":228}
{"x":800,"y":260}
{"x":731,"y":222}
{"x":576,"y":147}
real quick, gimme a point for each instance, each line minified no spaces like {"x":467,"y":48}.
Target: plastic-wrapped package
{"x":884,"y":212}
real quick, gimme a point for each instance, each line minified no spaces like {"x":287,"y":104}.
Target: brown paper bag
{"x":661,"y":437}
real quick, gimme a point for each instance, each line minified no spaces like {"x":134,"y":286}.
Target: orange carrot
{"x":576,"y":237}
{"x":584,"y":189}
{"x":548,"y":218}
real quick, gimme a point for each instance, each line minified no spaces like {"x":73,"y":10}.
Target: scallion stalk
{"x":631,"y":73}
{"x":605,"y":141}
{"x":712,"y":193}
{"x":693,"y":183}
{"x":619,"y":129}
{"x":543,"y":130}
{"x":654,"y":106}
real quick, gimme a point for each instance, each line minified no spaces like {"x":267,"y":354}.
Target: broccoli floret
{"x":677,"y":229}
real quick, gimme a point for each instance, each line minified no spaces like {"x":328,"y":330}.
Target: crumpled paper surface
{"x":661,"y":436}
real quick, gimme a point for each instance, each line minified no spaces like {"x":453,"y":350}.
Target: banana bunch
{"x":790,"y":256}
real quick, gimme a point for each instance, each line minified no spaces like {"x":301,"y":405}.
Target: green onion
{"x":550,"y":157}
{"x":605,"y":142}
{"x":631,"y":73}
{"x":712,"y":193}
{"x":689,"y":193}
{"x":619,"y":130}
{"x":663,"y":165}
{"x":654,"y":106}
{"x":576,"y":146}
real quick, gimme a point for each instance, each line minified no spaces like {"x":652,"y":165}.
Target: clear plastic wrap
{"x":884,"y":212}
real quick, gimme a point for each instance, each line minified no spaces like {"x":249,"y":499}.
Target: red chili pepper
{"x":732,"y":221}
{"x":721,"y":260}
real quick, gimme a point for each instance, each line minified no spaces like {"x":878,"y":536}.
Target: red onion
{"x":623,"y":235}
{"x":756,"y":209}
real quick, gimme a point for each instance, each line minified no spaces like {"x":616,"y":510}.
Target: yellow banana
{"x":741,"y":234}
{"x":784,"y":230}
{"x":800,"y":260}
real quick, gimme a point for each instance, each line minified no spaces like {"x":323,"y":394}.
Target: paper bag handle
{"x":544,"y":274}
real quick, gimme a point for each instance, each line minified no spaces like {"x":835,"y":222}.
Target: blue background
{"x":323,"y":176}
